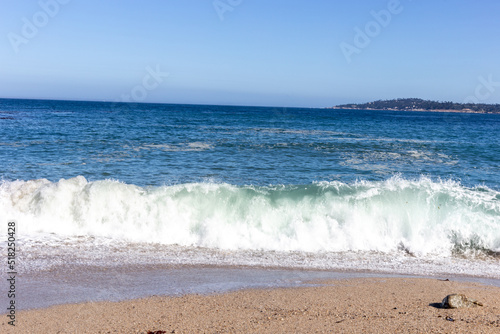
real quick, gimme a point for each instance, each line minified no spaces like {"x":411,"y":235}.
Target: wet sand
{"x":354,"y":305}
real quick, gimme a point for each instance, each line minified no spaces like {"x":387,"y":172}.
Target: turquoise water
{"x":272,"y":186}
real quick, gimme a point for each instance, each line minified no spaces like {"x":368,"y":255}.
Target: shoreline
{"x":351,"y":304}
{"x":73,"y":284}
{"x":423,"y":110}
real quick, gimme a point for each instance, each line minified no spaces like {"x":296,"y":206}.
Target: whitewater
{"x":421,"y":217}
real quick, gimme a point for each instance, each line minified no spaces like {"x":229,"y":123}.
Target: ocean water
{"x":109,"y":184}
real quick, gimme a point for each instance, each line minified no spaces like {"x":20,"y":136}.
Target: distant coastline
{"x":414,"y":104}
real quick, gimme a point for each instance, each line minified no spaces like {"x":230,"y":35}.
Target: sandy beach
{"x":359,"y":305}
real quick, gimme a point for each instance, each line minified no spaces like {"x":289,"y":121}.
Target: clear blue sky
{"x":262,"y":52}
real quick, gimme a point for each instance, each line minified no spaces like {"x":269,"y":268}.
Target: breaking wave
{"x":416,"y":216}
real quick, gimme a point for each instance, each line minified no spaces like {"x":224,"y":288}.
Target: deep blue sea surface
{"x":154,"y":144}
{"x":272,"y":186}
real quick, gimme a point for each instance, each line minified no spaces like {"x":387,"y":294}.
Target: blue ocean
{"x":117,"y":183}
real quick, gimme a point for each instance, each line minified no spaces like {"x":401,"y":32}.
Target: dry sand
{"x":367,"y":305}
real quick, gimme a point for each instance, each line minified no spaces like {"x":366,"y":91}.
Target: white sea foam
{"x":422,"y":217}
{"x":185,"y":147}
